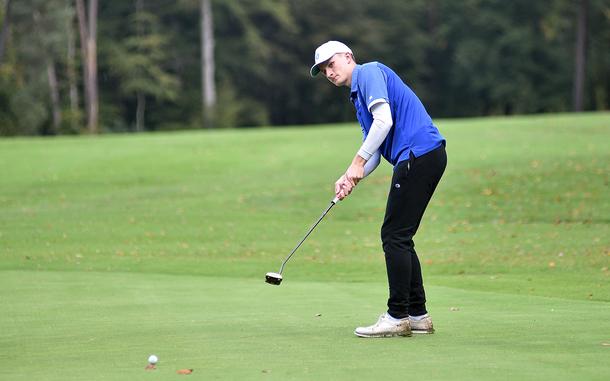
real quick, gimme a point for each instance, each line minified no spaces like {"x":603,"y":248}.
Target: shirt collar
{"x":354,"y":86}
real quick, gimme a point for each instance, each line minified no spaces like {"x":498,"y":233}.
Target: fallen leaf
{"x":184,"y":371}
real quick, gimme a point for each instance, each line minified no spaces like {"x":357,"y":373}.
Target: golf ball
{"x":152,"y":359}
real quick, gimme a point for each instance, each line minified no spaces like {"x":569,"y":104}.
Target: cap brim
{"x":314,"y":70}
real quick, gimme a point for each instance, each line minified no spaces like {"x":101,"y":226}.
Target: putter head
{"x":273,"y":278}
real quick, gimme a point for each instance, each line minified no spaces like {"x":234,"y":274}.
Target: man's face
{"x":338,"y":69}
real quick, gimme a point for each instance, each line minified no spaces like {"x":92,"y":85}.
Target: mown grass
{"x":197,"y":218}
{"x":103,"y":326}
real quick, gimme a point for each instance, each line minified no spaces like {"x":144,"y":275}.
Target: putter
{"x":276,"y":278}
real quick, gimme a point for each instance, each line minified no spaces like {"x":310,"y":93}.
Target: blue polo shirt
{"x":413,"y":130}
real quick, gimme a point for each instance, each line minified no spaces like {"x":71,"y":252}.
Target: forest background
{"x":76,"y":66}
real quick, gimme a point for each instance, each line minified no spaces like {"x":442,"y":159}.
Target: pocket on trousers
{"x":400,"y":175}
{"x":403,"y":168}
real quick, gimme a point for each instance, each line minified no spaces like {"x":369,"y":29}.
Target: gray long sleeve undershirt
{"x":382,"y":123}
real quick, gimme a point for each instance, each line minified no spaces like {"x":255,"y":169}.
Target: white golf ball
{"x":152,"y":359}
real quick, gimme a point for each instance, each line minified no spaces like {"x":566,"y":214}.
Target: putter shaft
{"x":332,"y":203}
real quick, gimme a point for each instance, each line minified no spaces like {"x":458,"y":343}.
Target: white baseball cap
{"x":325,"y":51}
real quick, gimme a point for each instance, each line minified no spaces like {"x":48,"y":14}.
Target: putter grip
{"x":335,"y":200}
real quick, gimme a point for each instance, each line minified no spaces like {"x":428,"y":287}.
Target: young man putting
{"x":395,"y":125}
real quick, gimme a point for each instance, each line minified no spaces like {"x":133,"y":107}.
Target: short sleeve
{"x":372,"y":83}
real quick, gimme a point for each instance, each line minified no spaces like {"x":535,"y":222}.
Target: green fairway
{"x":116,"y":247}
{"x":102,"y":326}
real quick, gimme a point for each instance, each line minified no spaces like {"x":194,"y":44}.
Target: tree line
{"x":84,"y":66}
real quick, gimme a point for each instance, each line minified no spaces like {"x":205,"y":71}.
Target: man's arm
{"x":382,"y":123}
{"x":368,"y":156}
{"x":372,"y":163}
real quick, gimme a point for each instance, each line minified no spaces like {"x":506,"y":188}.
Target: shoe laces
{"x":384,"y":317}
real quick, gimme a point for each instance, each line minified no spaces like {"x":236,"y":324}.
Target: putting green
{"x":103,"y":326}
{"x":119,"y":246}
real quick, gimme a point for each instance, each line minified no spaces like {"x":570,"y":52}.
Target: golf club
{"x":276,"y":278}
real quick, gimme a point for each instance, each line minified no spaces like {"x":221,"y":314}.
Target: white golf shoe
{"x":421,"y":325}
{"x":386,"y":326}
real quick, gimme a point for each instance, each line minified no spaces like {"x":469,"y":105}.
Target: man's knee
{"x":395,"y":240}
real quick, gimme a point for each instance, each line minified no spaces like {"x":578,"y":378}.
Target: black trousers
{"x":413,"y":184}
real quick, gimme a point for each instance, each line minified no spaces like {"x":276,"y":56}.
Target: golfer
{"x":395,"y":125}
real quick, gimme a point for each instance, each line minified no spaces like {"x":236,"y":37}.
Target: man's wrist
{"x":359,"y":161}
{"x":363,"y":153}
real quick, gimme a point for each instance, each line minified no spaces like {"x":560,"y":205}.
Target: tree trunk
{"x":51,"y":76}
{"x":92,"y":55}
{"x":71,"y":74}
{"x":54,"y":90}
{"x":140,"y":96}
{"x":82,"y":29}
{"x":208,"y":86}
{"x":141,"y":108}
{"x":580,"y":55}
{"x":5,"y":28}
{"x":88,"y":41}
